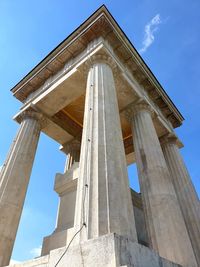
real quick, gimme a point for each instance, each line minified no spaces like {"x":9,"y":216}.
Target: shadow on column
{"x":137,"y":205}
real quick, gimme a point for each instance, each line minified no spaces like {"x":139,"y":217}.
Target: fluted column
{"x":103,"y":194}
{"x":14,"y":181}
{"x":72,"y":149}
{"x":7,"y":157}
{"x":165,"y":224}
{"x":187,"y":196}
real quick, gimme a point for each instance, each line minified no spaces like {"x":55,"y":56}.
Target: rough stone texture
{"x":14,"y":182}
{"x":106,"y":251}
{"x":165,"y":225}
{"x":103,"y":195}
{"x":187,"y":196}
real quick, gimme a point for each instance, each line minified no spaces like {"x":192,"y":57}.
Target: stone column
{"x":165,"y":225}
{"x":103,"y":194}
{"x":187,"y":196}
{"x":72,"y":149}
{"x":14,"y":181}
{"x":7,"y":157}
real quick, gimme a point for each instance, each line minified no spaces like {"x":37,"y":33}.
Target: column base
{"x":106,"y":251}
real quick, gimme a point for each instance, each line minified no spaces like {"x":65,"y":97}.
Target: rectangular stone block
{"x":106,"y":251}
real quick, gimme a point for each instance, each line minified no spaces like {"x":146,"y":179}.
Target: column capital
{"x":94,"y":59}
{"x":169,"y":138}
{"x":74,"y":145}
{"x":134,"y":108}
{"x":32,"y":114}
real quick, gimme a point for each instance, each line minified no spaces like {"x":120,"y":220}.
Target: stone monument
{"x":97,"y":98}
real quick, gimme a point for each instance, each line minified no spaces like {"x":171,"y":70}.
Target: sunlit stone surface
{"x":187,"y":196}
{"x":14,"y":181}
{"x":163,"y":215}
{"x":95,"y":96}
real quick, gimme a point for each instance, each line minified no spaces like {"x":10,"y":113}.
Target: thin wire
{"x":70,"y":243}
{"x":83,"y":225}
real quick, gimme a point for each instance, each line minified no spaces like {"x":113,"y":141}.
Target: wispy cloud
{"x":36,"y":252}
{"x":150,"y":28}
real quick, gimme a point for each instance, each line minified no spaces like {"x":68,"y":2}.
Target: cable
{"x":70,"y":244}
{"x":83,"y":225}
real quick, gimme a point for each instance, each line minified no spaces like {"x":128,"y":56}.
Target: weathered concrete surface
{"x":103,"y":195}
{"x":14,"y":181}
{"x":106,"y":251}
{"x":165,"y":225}
{"x":187,"y":196}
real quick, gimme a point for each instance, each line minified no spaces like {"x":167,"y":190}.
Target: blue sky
{"x":167,"y":35}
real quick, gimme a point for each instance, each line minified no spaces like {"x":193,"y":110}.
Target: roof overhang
{"x":99,"y":24}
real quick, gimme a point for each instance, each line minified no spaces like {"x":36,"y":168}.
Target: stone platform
{"x":107,"y":251}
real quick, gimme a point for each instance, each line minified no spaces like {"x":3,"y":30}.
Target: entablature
{"x":100,"y":24}
{"x":62,"y":98}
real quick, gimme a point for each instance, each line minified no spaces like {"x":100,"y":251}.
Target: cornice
{"x":101,"y":23}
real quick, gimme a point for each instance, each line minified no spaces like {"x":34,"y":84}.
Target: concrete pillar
{"x":187,"y":196}
{"x":14,"y":181}
{"x":72,"y":149}
{"x":165,"y":225}
{"x":103,"y":193}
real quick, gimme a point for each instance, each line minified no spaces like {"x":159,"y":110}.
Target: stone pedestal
{"x":187,"y":196}
{"x":14,"y":181}
{"x":66,"y":187}
{"x":106,"y":251}
{"x":103,"y":195}
{"x":165,"y":225}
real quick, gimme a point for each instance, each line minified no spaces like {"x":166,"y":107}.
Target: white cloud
{"x":150,"y":28}
{"x":36,"y":252}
